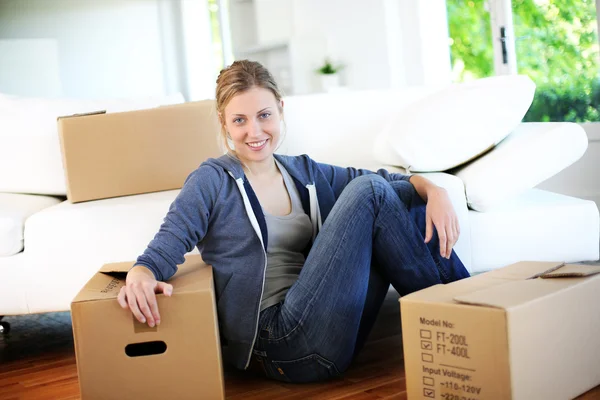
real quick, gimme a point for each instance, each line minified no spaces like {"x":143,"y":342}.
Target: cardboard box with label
{"x":527,"y":331}
{"x":121,"y":358}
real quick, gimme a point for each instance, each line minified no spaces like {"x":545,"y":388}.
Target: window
{"x":220,"y":38}
{"x":554,"y":42}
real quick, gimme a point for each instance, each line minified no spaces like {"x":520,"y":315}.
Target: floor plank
{"x":37,"y":362}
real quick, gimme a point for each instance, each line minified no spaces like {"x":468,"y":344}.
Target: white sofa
{"x":65,"y":243}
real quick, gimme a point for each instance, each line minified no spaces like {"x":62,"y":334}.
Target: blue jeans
{"x":373,"y":236}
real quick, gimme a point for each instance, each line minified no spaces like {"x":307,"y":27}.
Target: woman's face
{"x":252,"y":119}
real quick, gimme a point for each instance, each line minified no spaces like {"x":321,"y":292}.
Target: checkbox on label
{"x":429,"y":393}
{"x":428,"y":381}
{"x":426,"y":345}
{"x":426,"y":357}
{"x":425,"y":334}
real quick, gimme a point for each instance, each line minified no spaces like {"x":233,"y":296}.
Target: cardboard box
{"x":528,"y":331}
{"x":120,"y":358}
{"x":119,"y":154}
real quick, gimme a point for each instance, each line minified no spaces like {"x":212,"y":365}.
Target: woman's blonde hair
{"x":239,"y":77}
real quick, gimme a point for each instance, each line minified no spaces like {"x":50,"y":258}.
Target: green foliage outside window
{"x":557,"y":46}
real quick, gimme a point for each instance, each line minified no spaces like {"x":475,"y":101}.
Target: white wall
{"x":356,"y":35}
{"x":106,"y":48}
{"x":114,"y":48}
{"x":20,"y":72}
{"x":384,"y":43}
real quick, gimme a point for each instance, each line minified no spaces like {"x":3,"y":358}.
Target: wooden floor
{"x":37,"y":362}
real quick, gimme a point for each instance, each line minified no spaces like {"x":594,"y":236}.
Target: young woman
{"x":303,"y":253}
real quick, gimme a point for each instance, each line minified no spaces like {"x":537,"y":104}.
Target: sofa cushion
{"x":538,"y":226}
{"x":30,"y":157}
{"x":14,"y":210}
{"x":75,"y":240}
{"x":531,"y":154}
{"x":455,"y":124}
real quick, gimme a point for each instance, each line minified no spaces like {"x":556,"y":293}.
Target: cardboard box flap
{"x":117,"y":268}
{"x":107,"y":282}
{"x":572,"y":271}
{"x":101,"y":286}
{"x":81,"y":114}
{"x":526,"y":269}
{"x":192,"y":276}
{"x":446,"y":293}
{"x":516,"y":293}
{"x":513,"y":273}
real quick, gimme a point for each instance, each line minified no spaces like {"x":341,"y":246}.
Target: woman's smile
{"x":257,"y":146}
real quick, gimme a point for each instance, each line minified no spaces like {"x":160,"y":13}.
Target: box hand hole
{"x":145,"y":348}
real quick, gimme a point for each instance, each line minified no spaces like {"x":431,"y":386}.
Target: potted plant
{"x":330,"y":75}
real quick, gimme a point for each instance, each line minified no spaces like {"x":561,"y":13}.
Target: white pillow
{"x":455,"y":124}
{"x":30,"y":155}
{"x":531,"y":154}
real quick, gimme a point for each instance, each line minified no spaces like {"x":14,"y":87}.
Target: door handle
{"x":503,"y":44}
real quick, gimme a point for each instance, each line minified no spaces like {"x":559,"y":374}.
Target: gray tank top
{"x":288,"y":237}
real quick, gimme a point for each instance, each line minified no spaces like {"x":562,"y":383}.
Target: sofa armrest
{"x":532,"y":153}
{"x":456,"y":191}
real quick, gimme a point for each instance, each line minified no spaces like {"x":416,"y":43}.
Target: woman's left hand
{"x":440,"y":214}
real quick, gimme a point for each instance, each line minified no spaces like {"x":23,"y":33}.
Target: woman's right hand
{"x":139,"y":295}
